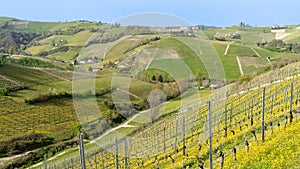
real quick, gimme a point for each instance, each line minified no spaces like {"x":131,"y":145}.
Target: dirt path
{"x":227,"y":48}
{"x":269,"y":61}
{"x":118,"y":89}
{"x":5,"y":159}
{"x":280,"y":34}
{"x":59,"y":154}
{"x":240,"y":65}
{"x":255,"y":52}
{"x":59,"y":77}
{"x":124,"y":125}
{"x":3,"y":77}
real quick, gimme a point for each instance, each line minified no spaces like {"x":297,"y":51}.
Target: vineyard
{"x":28,"y":76}
{"x":244,"y":126}
{"x":10,"y":85}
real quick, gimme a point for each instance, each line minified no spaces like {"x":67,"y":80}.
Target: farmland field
{"x":231,"y":67}
{"x":65,"y":56}
{"x":237,"y":50}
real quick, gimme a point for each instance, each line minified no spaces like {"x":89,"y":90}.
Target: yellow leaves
{"x":280,"y":151}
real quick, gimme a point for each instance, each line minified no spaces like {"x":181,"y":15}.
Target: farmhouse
{"x":279,"y":27}
{"x":96,"y":69}
{"x":233,"y":35}
{"x":82,"y":62}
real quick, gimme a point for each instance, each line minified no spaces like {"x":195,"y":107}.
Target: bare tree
{"x":155,"y":98}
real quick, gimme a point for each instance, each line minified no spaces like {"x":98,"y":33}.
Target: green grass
{"x":220,"y":48}
{"x":208,"y":55}
{"x":189,"y":61}
{"x":238,"y":50}
{"x":231,"y":68}
{"x":267,"y":53}
{"x":253,"y":65}
{"x":41,"y":26}
{"x":79,"y":39}
{"x":34,"y":50}
{"x":95,"y":50}
{"x":35,"y":81}
{"x":196,"y":66}
{"x":30,"y":77}
{"x":117,"y":51}
{"x":249,"y":37}
{"x":65,"y":56}
{"x":293,"y":37}
{"x":140,"y":88}
{"x":177,"y":46}
{"x":278,"y":58}
{"x":175,"y":68}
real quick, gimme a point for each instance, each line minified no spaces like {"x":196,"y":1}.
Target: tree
{"x":153,"y":78}
{"x":155,"y":98}
{"x":2,"y":60}
{"x":199,"y":78}
{"x":11,"y":50}
{"x":22,"y":48}
{"x":160,"y":79}
{"x":75,"y":62}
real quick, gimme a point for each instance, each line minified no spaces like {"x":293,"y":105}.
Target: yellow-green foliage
{"x":34,"y":50}
{"x":280,"y":149}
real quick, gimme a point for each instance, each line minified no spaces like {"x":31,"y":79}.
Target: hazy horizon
{"x":212,"y":13}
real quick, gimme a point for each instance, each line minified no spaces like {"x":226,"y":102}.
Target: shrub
{"x":3,"y":92}
{"x":244,"y":79}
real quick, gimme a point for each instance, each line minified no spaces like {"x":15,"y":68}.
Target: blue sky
{"x":207,"y":12}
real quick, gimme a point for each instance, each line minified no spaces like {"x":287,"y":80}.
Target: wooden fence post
{"x":230,"y":113}
{"x":117,"y":153}
{"x":263,"y":115}
{"x":210,"y":135}
{"x":291,"y":103}
{"x":45,"y":162}
{"x":81,"y":150}
{"x":225,"y":121}
{"x":126,"y":152}
{"x":176,"y":135}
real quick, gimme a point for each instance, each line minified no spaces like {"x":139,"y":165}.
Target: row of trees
{"x":159,"y":79}
{"x":280,"y":46}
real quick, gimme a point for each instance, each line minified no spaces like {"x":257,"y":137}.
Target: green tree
{"x":199,"y":78}
{"x":11,"y":50}
{"x":160,"y":79}
{"x":153,"y":78}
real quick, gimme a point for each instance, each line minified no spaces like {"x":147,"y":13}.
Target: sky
{"x":197,"y":12}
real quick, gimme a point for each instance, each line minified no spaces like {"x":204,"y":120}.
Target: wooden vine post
{"x":263,"y":115}
{"x":81,"y":150}
{"x":210,"y":136}
{"x":291,"y":103}
{"x":117,"y":153}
